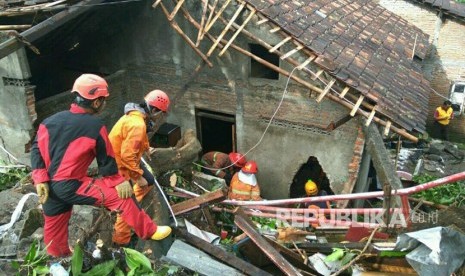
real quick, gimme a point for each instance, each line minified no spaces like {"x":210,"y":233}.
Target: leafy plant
{"x":9,"y":177}
{"x":448,"y":194}
{"x":35,"y":261}
{"x":340,"y":254}
{"x":138,"y":263}
{"x":99,"y":270}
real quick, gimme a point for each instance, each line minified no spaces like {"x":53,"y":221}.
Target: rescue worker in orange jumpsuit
{"x":130,"y":141}
{"x":311,"y":189}
{"x":244,"y":185}
{"x":222,"y":165}
{"x":65,"y":145}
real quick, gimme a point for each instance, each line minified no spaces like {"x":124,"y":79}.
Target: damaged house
{"x":444,"y":22}
{"x":292,"y":83}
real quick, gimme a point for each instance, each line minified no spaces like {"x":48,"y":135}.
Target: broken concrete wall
{"x":17,"y":112}
{"x":446,"y":61}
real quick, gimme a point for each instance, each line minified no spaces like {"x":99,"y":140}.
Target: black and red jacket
{"x":67,"y":143}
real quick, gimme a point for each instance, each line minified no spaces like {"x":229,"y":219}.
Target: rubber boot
{"x":161,"y":233}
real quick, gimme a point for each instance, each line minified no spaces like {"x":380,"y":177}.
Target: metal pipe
{"x":400,"y":192}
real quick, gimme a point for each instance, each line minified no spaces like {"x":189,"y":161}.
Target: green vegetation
{"x":11,"y":176}
{"x":460,"y":1}
{"x":35,"y":262}
{"x":449,"y":194}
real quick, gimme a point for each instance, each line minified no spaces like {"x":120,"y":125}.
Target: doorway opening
{"x":216,"y":131}
{"x":309,"y":170}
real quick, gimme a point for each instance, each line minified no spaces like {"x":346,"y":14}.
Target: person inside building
{"x":244,"y":185}
{"x":222,"y":165}
{"x":65,"y":145}
{"x":130,"y":141}
{"x":311,"y":189}
{"x":442,"y":116}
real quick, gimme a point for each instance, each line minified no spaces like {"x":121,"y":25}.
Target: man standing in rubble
{"x":244,"y":185}
{"x":442,"y":117}
{"x":222,"y":165}
{"x":65,"y":145}
{"x":130,"y":141}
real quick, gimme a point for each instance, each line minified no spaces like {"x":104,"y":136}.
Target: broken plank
{"x":238,"y":31}
{"x":291,"y":256}
{"x":281,"y":43}
{"x":264,"y":20}
{"x":209,"y":25}
{"x":318,"y":74}
{"x":275,"y":30}
{"x":246,"y":225}
{"x":190,"y":257}
{"x":387,"y":128}
{"x":327,"y":88}
{"x":306,"y":62}
{"x":194,"y":203}
{"x":175,"y":10}
{"x":291,"y":52}
{"x":344,"y":92}
{"x":370,"y":117}
{"x":231,"y":21}
{"x":220,"y":254}
{"x":357,"y":105}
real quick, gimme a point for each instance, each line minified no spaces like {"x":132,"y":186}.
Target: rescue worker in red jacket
{"x":222,"y":165}
{"x":130,"y":141}
{"x":65,"y":145}
{"x":244,"y":185}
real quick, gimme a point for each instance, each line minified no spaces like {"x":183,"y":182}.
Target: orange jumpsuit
{"x":239,"y":190}
{"x":129,"y":140}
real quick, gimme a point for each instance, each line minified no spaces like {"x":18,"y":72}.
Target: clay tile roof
{"x":365,"y":46}
{"x":449,"y":7}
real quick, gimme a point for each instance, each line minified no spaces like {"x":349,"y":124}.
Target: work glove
{"x":142,"y":182}
{"x":124,"y":190}
{"x":42,"y":192}
{"x":161,"y":233}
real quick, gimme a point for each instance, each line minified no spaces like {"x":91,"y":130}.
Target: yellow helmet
{"x":310,"y":188}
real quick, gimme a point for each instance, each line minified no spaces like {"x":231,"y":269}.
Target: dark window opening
{"x":258,"y":70}
{"x":216,"y":131}
{"x":310,"y":170}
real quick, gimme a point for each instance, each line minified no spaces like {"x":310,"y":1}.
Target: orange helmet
{"x":250,"y":167}
{"x":237,"y":159}
{"x":158,"y":99}
{"x":91,"y":87}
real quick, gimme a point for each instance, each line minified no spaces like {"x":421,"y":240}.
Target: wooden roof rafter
{"x":343,"y":97}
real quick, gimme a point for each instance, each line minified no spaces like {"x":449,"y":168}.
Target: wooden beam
{"x":387,"y":128}
{"x":370,"y":118}
{"x":317,"y":74}
{"x":220,"y":254}
{"x":46,"y":26}
{"x":14,"y":27}
{"x":231,"y":21}
{"x":194,"y":203}
{"x":212,"y":11}
{"x":175,"y":10}
{"x":275,"y":30}
{"x":281,"y":43}
{"x":306,"y":62}
{"x":327,"y":89}
{"x":246,"y":225}
{"x":155,"y":4}
{"x":238,"y":31}
{"x":226,"y":3}
{"x":357,"y":105}
{"x":264,"y":20}
{"x":202,"y":22}
{"x":175,"y":26}
{"x":291,"y":52}
{"x":344,"y":92}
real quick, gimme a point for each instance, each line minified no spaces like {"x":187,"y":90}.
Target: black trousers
{"x":442,"y":131}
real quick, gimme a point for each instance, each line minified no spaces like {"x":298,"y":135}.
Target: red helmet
{"x":91,"y":87}
{"x":158,"y":99}
{"x":250,"y":167}
{"x":237,"y":159}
